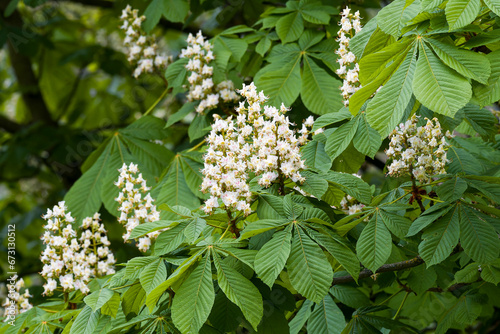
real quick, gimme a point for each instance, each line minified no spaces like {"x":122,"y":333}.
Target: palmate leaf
{"x":388,"y":106}
{"x":261,"y":226}
{"x":478,"y":237}
{"x":373,"y":244}
{"x":319,"y":89}
{"x":301,"y":317}
{"x":350,"y":184}
{"x":460,"y":13}
{"x":438,"y":87}
{"x":468,"y":63}
{"x":271,"y":258}
{"x":194,"y":299}
{"x":240,"y":291}
{"x":326,"y":317}
{"x":439,"y":240}
{"x":308,"y":268}
{"x":452,"y":190}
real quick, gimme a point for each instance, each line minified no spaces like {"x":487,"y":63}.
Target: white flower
{"x":420,"y":151}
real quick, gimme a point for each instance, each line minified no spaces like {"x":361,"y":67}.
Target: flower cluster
{"x":258,"y":141}
{"x":142,"y":50}
{"x":349,"y":69}
{"x":202,"y":87}
{"x":95,"y":247}
{"x":16,"y":303}
{"x":66,"y":259}
{"x":418,"y":150}
{"x":136,"y":204}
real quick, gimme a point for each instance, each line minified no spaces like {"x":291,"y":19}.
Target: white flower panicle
{"x":66,"y":259}
{"x":136,"y":204}
{"x":418,"y":150}
{"x":201,"y":85}
{"x":95,"y":246}
{"x":348,"y":68}
{"x":16,"y":302}
{"x":258,"y":141}
{"x":142,"y":50}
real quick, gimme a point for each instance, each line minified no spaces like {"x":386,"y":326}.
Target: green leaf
{"x":84,"y":197}
{"x":392,"y":18}
{"x":440,"y":239}
{"x":145,"y":228}
{"x":271,"y":258}
{"x":491,"y":272}
{"x":481,"y":120}
{"x":452,"y":190}
{"x":468,"y":63}
{"x":386,"y":109}
{"x":261,"y":226}
{"x":85,"y":322}
{"x":240,"y":291}
{"x":350,"y":296}
{"x":263,"y":46}
{"x":316,"y":14}
{"x":350,"y":184}
{"x":397,"y":224}
{"x":156,"y":293}
{"x":373,"y":246}
{"x":319,"y":89}
{"x":469,"y":274}
{"x":438,"y":87}
{"x":98,"y":298}
{"x":290,"y":27}
{"x":133,"y":299}
{"x":462,"y":161}
{"x":146,"y":128}
{"x":194,"y":299}
{"x":176,"y":74}
{"x":331,"y":118}
{"x":282,"y":85}
{"x":489,"y":186}
{"x":460,"y":13}
{"x":315,"y":156}
{"x":153,"y":275}
{"x":170,"y":239}
{"x":478,"y":237}
{"x":341,"y":252}
{"x":338,"y":141}
{"x":308,"y":268}
{"x":112,"y":305}
{"x":490,"y":93}
{"x":270,"y":206}
{"x":299,"y":320}
{"x":494,"y":5}
{"x":367,"y":140}
{"x":326,"y":317}
{"x":421,"y":279}
{"x":175,"y":10}
{"x":153,"y":14}
{"x":174,"y":188}
{"x":314,"y":184}
{"x":181,"y":113}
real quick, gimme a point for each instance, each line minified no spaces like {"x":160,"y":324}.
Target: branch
{"x":416,"y":261}
{"x":8,"y":125}
{"x":28,"y":82}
